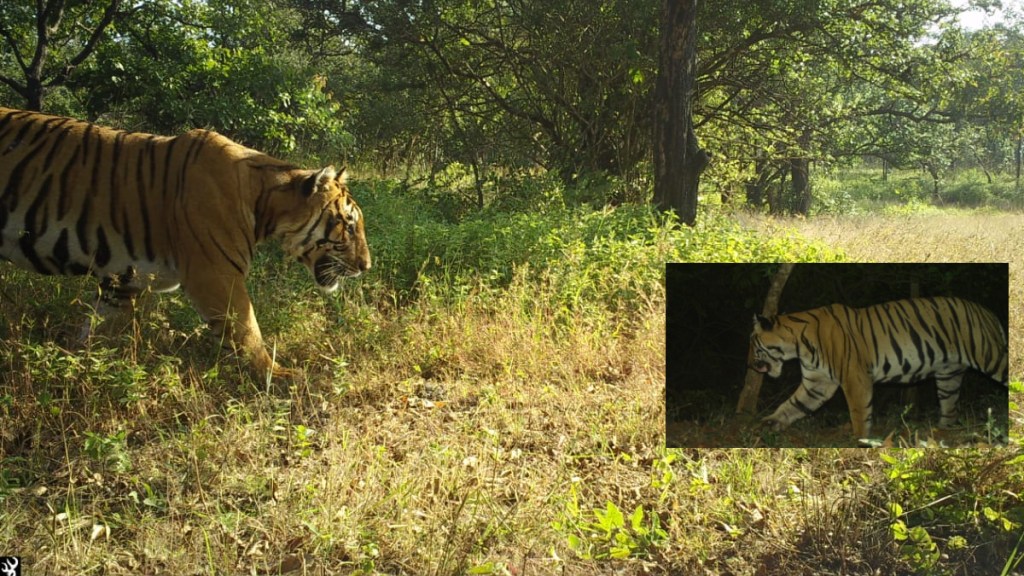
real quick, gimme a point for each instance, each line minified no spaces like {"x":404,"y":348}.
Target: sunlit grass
{"x":457,"y":415}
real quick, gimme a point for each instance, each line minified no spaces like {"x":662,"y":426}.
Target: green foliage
{"x":108,"y":450}
{"x":1015,"y":558}
{"x":99,"y":368}
{"x":927,"y":498}
{"x":607,"y":532}
{"x":471,"y":95}
{"x":916,"y":546}
{"x":862,"y":188}
{"x":45,"y":41}
{"x":607,"y":257}
{"x":488,"y":84}
{"x":232,"y":70}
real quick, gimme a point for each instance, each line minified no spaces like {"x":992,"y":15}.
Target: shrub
{"x":611,"y":256}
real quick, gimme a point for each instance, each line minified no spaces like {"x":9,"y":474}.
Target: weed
{"x":1015,"y":558}
{"x":608,"y":533}
{"x":110,"y":451}
{"x":915,"y":544}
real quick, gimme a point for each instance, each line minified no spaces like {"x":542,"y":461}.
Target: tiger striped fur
{"x":853,"y":348}
{"x":145,"y":212}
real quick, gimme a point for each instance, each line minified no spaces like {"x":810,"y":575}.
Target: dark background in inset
{"x":710,"y":312}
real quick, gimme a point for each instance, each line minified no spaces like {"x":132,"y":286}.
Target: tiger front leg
{"x":113,"y":317}
{"x":114,"y":309}
{"x":225,"y":304}
{"x":859,"y":388}
{"x":812,"y":393}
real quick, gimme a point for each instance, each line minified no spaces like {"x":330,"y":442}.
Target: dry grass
{"x":942,"y":237}
{"x":483,"y":435}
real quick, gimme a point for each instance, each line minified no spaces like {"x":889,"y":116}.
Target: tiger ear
{"x":762,"y":324}
{"x":318,"y":180}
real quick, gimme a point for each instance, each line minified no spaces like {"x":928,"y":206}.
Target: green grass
{"x":488,"y":400}
{"x":862,"y":189}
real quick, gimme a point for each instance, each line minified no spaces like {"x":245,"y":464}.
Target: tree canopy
{"x":781,"y":88}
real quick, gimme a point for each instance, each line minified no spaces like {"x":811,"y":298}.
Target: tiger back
{"x":142,"y":212}
{"x":901,"y":342}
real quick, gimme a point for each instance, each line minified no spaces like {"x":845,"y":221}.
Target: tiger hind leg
{"x":118,"y":298}
{"x":948,"y":387}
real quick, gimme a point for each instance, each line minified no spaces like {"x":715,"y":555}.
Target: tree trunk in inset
{"x":752,"y":384}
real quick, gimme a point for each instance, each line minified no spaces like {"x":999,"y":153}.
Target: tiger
{"x":143,"y":212}
{"x":904,"y":341}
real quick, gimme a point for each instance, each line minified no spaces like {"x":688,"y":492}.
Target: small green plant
{"x":608,"y":533}
{"x":995,"y":431}
{"x":110,"y":450}
{"x":102,"y":369}
{"x":906,"y":475}
{"x":302,"y":439}
{"x":339,"y":374}
{"x":149,"y":497}
{"x":915,"y":545}
{"x":663,"y":476}
{"x":930,"y":500}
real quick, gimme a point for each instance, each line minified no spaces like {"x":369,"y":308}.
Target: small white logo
{"x":9,"y":565}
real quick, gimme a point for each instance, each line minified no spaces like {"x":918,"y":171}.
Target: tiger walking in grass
{"x":152,"y":212}
{"x":900,"y":342}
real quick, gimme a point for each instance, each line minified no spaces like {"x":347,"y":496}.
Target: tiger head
{"x":773,"y":343}
{"x":331,"y":242}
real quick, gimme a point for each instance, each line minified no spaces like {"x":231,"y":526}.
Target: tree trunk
{"x":478,"y":183}
{"x":800,"y":186}
{"x":39,"y":73}
{"x":752,"y":384}
{"x":776,"y":194}
{"x":933,"y":171}
{"x":34,"y":94}
{"x":1017,"y":156}
{"x":678,"y":158}
{"x":981,"y":164}
{"x":800,"y":168}
{"x":757,"y":187}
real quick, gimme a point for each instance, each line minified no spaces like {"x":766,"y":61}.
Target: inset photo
{"x":826,"y":355}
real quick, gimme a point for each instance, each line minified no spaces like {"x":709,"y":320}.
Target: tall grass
{"x":488,"y":400}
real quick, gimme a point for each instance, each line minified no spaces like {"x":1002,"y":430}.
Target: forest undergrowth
{"x":489,"y":399}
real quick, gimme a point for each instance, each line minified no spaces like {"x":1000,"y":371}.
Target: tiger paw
{"x":280,"y":373}
{"x":773,"y":424}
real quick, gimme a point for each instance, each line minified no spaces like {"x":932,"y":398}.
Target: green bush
{"x":832,"y":197}
{"x":970,"y":190}
{"x":858,"y":189}
{"x":611,"y":256}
